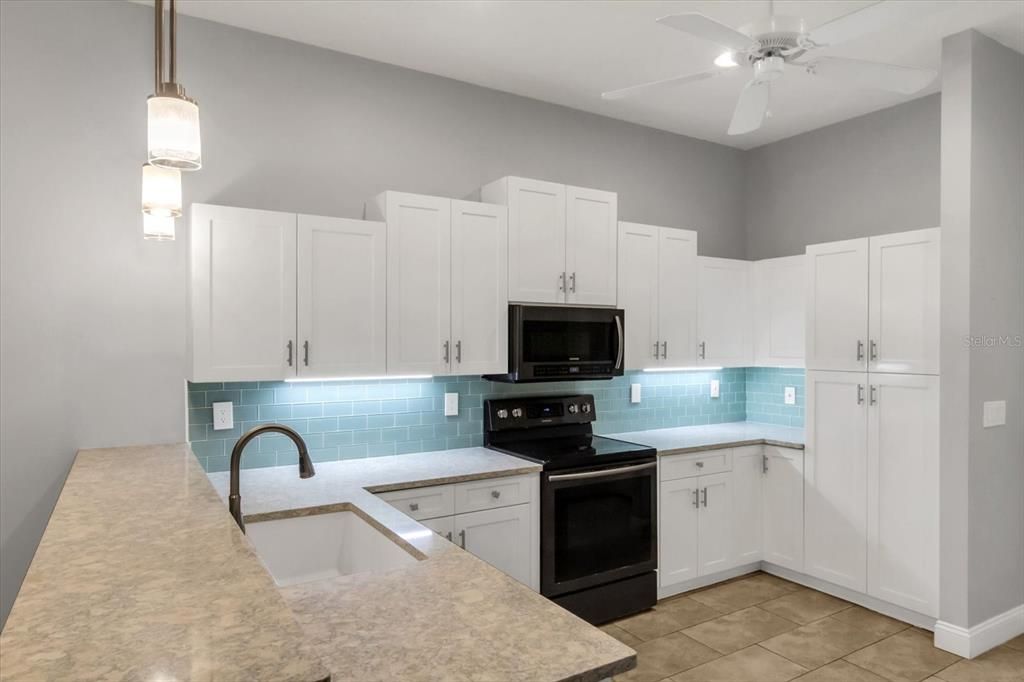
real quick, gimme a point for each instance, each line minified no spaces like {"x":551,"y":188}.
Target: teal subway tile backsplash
{"x":765,"y":388}
{"x":346,"y":420}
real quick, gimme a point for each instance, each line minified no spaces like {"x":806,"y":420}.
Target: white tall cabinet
{"x":562,"y":241}
{"x":724,"y":326}
{"x":657,"y":289}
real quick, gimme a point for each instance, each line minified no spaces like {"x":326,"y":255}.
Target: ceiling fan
{"x":773,"y":45}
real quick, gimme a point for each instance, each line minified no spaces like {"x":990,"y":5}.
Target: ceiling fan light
{"x":173,"y":131}
{"x":157,"y":228}
{"x":726,"y":60}
{"x":161,"y":191}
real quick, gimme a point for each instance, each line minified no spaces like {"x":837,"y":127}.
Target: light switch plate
{"x":993,"y":413}
{"x":789,"y":395}
{"x":223,"y":416}
{"x":715,"y":388}
{"x":634,"y":393}
{"x":451,"y":404}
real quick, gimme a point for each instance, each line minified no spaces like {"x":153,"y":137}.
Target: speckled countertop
{"x":696,"y":438}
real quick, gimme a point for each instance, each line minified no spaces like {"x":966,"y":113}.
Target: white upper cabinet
{"x":342,"y":281}
{"x":903,"y":320}
{"x":561,"y":241}
{"x":536,"y":237}
{"x":777,"y":292}
{"x":677,"y":297}
{"x":591,"y":219}
{"x":419,"y":281}
{"x":837,"y":305}
{"x":903,"y":487}
{"x":479,"y":288}
{"x":724,"y":325}
{"x":784,"y":507}
{"x":835,"y":502}
{"x":242,"y":294}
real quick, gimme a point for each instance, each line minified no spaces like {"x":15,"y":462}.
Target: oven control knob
{"x":502,"y":414}
{"x":586,"y":408}
{"x":517,"y":412}
{"x":573,"y":408}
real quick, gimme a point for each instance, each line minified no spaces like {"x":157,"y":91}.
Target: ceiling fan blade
{"x":872,"y":75}
{"x":868,"y":20}
{"x":708,"y":29}
{"x":654,"y":85}
{"x":751,"y":108}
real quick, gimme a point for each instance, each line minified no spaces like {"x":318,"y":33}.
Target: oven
{"x":555,"y":343}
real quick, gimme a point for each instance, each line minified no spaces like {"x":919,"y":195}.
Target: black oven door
{"x":597,"y":526}
{"x":549,"y":342}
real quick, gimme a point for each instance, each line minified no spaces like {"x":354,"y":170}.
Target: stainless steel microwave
{"x":560,"y":343}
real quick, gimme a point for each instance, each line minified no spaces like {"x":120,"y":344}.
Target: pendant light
{"x":161,"y":191}
{"x":158,"y":228}
{"x":173,"y":117}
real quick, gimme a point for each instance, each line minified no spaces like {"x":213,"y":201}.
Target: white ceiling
{"x":569,"y":51}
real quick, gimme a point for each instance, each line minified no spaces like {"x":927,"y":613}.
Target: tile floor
{"x":759,"y":628}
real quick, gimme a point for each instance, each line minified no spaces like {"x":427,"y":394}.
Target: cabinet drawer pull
{"x":664,"y":350}
{"x":874,"y":350}
{"x":874,"y":394}
{"x":458,"y":351}
{"x":572,"y":282}
{"x":445,"y":353}
{"x":860,"y":349}
{"x":414,"y":506}
{"x":561,"y":282}
{"x":703,"y":350}
{"x":700,"y":464}
{"x":290,"y":348}
{"x":860,"y":394}
{"x":495,"y":494}
{"x":656,"y":344}
{"x":305,"y":353}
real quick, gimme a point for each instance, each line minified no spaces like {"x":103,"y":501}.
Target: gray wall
{"x":869,"y":175}
{"x":92,"y":340}
{"x":982,"y":296}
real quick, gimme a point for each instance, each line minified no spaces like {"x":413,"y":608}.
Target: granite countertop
{"x":142,"y":574}
{"x":684,"y":439}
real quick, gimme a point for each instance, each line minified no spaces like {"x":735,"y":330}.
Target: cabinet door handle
{"x":448,"y":536}
{"x":561,"y":282}
{"x":462,"y":538}
{"x":458,"y":351}
{"x":874,"y":394}
{"x":656,"y":344}
{"x":495,"y":494}
{"x":696,"y":498}
{"x":414,"y":506}
{"x":860,"y":394}
{"x":664,"y":350}
{"x":305,"y":353}
{"x":572,"y":282}
{"x":290,"y":349}
{"x":764,"y":464}
{"x":703,"y":350}
{"x":874,"y":350}
{"x":445,"y":355}
{"x":704,"y":495}
{"x":860,"y":349}
{"x":700,"y":464}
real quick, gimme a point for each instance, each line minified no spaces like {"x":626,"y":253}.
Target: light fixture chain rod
{"x":174,"y":45}
{"x":158,"y":47}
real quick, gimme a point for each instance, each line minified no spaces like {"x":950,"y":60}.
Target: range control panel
{"x":525,"y":413}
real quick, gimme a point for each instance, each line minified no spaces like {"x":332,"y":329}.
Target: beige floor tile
{"x":841,"y":671}
{"x":1001,"y":664}
{"x":805,"y":606}
{"x":667,"y":617}
{"x":621,"y":635}
{"x":738,"y":594}
{"x":769,"y":579}
{"x":907,"y":656}
{"x":740,"y":629}
{"x":687,"y":611}
{"x":871,"y":621}
{"x":665,"y":656}
{"x":1016,"y":643}
{"x":820,"y":642}
{"x":752,"y":664}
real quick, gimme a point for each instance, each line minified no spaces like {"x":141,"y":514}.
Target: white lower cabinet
{"x":501,"y":537}
{"x":783,"y":517}
{"x":444,"y":526}
{"x":677,"y":531}
{"x":715,"y":524}
{"x":747,"y":494}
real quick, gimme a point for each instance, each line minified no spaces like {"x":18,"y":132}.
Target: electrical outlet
{"x":715,"y":388}
{"x":223,"y":416}
{"x":634,"y":393}
{"x":451,"y":404}
{"x":993,"y":413}
{"x":789,"y":395}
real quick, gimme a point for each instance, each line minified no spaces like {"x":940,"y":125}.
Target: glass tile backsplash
{"x":348,"y":419}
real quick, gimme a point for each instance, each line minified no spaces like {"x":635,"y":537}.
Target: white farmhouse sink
{"x":305,"y":548}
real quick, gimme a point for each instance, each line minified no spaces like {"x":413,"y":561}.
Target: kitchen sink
{"x":305,"y":548}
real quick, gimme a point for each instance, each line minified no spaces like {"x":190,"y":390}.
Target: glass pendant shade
{"x":173,"y":132}
{"x":157,"y":228}
{"x":161,"y":191}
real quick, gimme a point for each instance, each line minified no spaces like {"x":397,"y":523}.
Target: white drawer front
{"x":423,"y":503}
{"x":696,"y":464}
{"x":491,"y":493}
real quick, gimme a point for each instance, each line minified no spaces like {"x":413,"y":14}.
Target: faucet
{"x":306,"y":469}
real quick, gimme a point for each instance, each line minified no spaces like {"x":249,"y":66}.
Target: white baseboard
{"x":974,"y":641}
{"x":705,"y":580}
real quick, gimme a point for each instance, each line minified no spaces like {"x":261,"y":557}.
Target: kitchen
{"x":379,"y":253}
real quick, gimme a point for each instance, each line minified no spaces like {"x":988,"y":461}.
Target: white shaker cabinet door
{"x":904,"y":303}
{"x":779,"y":311}
{"x":342,"y":281}
{"x":536,"y":237}
{"x":716,"y":523}
{"x":677,"y":297}
{"x":835,"y":526}
{"x":479,"y":288}
{"x":501,"y":537}
{"x":419,"y":281}
{"x":242,"y":289}
{"x":638,"y":293}
{"x":591,"y":236}
{"x":784,"y":507}
{"x":747,"y":480}
{"x":724,"y":324}
{"x":837,"y":305}
{"x":903,"y":490}
{"x":679,"y":509}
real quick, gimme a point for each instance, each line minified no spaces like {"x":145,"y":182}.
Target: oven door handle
{"x":602,"y":472}
{"x":618,"y":328}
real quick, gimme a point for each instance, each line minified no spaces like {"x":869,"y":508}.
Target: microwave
{"x":560,"y":343}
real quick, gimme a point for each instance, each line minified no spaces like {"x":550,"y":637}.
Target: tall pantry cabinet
{"x":871,"y":464}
